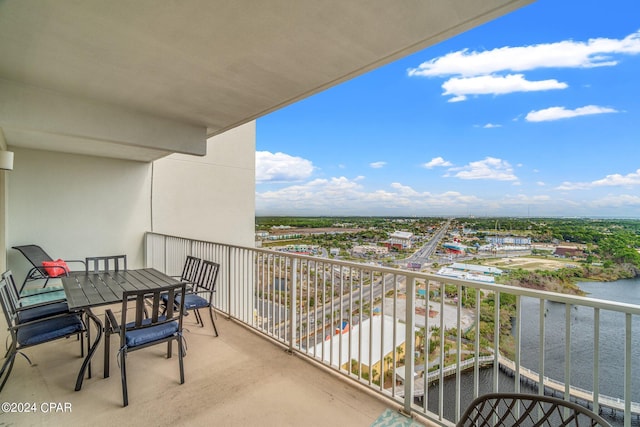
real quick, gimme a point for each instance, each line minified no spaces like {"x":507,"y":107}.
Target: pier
{"x":576,"y":394}
{"x":551,"y":387}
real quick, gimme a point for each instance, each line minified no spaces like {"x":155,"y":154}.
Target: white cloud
{"x":613,"y":180}
{"x":557,"y":113}
{"x":461,"y":87}
{"x":499,"y":71}
{"x":617,"y":201}
{"x":377,"y":165}
{"x":491,"y":126}
{"x":490,"y":168}
{"x":346,"y":196}
{"x":281,"y":167}
{"x":437,"y":161}
{"x":564,"y":54}
{"x":343,"y":195}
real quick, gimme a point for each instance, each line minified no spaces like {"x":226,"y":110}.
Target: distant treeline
{"x":610,"y":241}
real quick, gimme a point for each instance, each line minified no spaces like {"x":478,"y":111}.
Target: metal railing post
{"x":292,"y":304}
{"x":229,"y":249}
{"x":409,"y":353}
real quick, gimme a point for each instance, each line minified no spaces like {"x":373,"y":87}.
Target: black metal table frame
{"x":87,"y":291}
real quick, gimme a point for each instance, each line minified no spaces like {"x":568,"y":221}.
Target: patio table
{"x":86,"y":291}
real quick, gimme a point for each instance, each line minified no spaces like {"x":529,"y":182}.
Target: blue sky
{"x":536,"y":113}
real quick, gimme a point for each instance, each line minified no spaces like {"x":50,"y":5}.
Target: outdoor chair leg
{"x":107,"y":338}
{"x":123,"y":375}
{"x":212,"y":321}
{"x":180,"y":356}
{"x":10,"y":362}
{"x":81,"y":338}
{"x":88,"y":342}
{"x":169,"y":349}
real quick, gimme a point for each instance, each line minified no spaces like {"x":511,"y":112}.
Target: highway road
{"x":422,"y":255}
{"x":351,"y":301}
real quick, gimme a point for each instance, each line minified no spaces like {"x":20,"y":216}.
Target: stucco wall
{"x":76,"y":206}
{"x":212,"y":197}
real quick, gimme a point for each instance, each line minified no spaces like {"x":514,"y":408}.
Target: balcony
{"x":318,"y":341}
{"x":236,"y":379}
{"x":330,"y":311}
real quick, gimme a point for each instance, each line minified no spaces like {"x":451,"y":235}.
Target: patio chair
{"x":190,"y":271}
{"x":38,"y":258}
{"x":201,"y":296}
{"x":145,"y":331}
{"x":26,"y":329}
{"x":516,"y":409}
{"x":27,"y":312}
{"x":99,"y":264}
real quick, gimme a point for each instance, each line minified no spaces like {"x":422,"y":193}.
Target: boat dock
{"x":576,"y":394}
{"x":551,"y":387}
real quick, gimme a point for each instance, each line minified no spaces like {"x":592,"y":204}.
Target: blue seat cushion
{"x":29,"y":314}
{"x":152,"y":333}
{"x":191,"y":301}
{"x":48,"y":330}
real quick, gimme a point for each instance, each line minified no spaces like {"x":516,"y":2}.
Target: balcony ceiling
{"x":141,"y":79}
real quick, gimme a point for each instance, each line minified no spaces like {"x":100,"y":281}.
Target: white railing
{"x":354,"y":319}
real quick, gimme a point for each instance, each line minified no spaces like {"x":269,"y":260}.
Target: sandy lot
{"x":530,"y":263}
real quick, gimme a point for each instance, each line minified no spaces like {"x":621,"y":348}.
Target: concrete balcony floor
{"x":236,"y":379}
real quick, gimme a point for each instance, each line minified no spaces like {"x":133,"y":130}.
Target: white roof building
{"x":364,"y":249}
{"x":341,"y":349}
{"x":402,"y":238}
{"x":476,"y":268}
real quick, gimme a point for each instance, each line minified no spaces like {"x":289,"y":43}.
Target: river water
{"x":612,"y":333}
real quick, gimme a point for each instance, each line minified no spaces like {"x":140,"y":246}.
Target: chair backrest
{"x":140,"y":299}
{"x":12,"y":289}
{"x":207,"y":277}
{"x":101,"y":264}
{"x":191,"y":269}
{"x":8,"y":299}
{"x":518,"y":409}
{"x":34,"y":253}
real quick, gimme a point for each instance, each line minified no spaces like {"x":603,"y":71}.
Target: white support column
{"x":4,"y":197}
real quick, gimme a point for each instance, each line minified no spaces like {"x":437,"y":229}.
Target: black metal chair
{"x":27,"y":311}
{"x":190,"y":271}
{"x":100,"y":264}
{"x":517,"y":409}
{"x":201,"y":296}
{"x":29,"y":327}
{"x":37,"y":256}
{"x":145,"y":331}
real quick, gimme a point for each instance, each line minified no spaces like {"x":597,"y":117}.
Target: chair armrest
{"x":41,"y":269}
{"x":189,"y":284}
{"x":81,"y":261}
{"x":110,"y":322}
{"x":44,"y":274}
{"x":199,"y":291}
